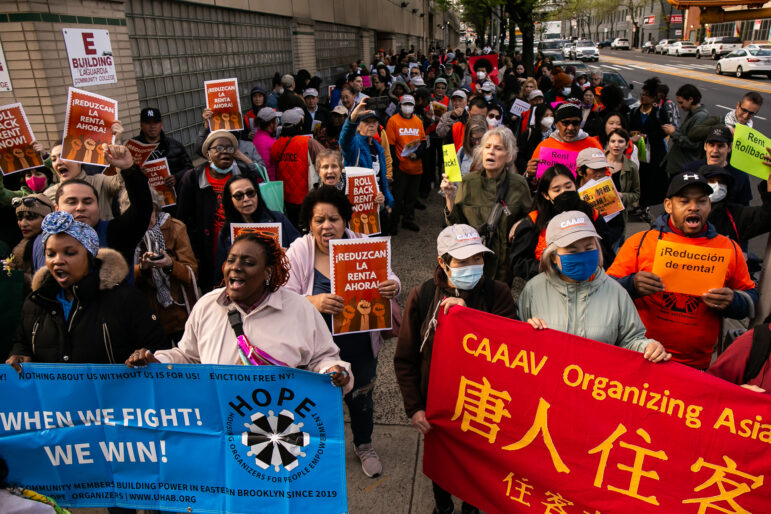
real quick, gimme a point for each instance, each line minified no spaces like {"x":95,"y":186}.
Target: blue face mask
{"x":221,"y":171}
{"x":579,"y":266}
{"x":466,"y":277}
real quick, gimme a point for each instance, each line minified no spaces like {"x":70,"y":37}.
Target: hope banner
{"x":543,"y":421}
{"x":178,"y":438}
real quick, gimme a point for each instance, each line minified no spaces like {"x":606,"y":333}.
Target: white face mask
{"x":566,"y":91}
{"x":481,"y":75}
{"x":488,"y":97}
{"x":546,"y":123}
{"x":408,"y":109}
{"x":492,"y":122}
{"x":719,"y":192}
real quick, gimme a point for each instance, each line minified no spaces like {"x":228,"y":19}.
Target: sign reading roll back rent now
{"x":543,"y":421}
{"x":179,"y":438}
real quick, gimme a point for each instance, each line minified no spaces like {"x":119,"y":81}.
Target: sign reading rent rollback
{"x":547,"y":422}
{"x":90,"y":56}
{"x":362,"y":188}
{"x":690,"y":269}
{"x":16,"y":138}
{"x":357,"y":267}
{"x":157,"y":171}
{"x":87,"y":126}
{"x":222,"y":98}
{"x":548,"y":157}
{"x":747,"y":151}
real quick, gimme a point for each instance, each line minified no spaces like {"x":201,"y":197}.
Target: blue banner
{"x":180,"y":438}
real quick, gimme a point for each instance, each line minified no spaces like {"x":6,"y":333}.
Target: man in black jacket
{"x":151,"y":131}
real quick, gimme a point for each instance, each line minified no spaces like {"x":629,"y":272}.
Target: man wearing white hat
{"x":318,"y":113}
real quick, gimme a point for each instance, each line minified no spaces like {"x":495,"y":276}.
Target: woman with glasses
{"x":242,"y":203}
{"x":28,"y":256}
{"x":199,"y":201}
{"x":475,"y":129}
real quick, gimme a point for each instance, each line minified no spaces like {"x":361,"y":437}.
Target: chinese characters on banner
{"x":16,"y":138}
{"x":690,"y":269}
{"x":272,"y":230}
{"x":357,"y":267}
{"x":222,"y":98}
{"x":87,"y":125}
{"x":548,"y":157}
{"x":543,"y":421}
{"x":5,"y":78}
{"x":85,"y":435}
{"x":90,"y":56}
{"x":603,"y":196}
{"x":140,"y":151}
{"x":361,"y":184}
{"x":156,"y":172}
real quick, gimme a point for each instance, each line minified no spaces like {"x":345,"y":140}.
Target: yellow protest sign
{"x":603,"y":196}
{"x":749,"y":147}
{"x":690,"y":269}
{"x":451,"y":166}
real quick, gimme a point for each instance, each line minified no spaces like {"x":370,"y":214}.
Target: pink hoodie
{"x":262,"y":142}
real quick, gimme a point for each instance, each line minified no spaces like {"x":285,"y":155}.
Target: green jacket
{"x":598,"y":309}
{"x":6,"y":195}
{"x":473,"y":202}
{"x":629,"y":182}
{"x":682,"y":149}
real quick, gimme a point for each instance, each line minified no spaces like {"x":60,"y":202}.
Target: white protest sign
{"x":5,"y":79}
{"x":518,"y":107}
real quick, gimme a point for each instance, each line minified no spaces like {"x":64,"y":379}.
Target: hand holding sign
{"x":646,"y":283}
{"x":691,"y":269}
{"x":749,"y":152}
{"x":718,"y":298}
{"x":451,"y":166}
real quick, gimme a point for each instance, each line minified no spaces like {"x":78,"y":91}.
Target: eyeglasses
{"x":249,"y":193}
{"x":747,"y":113}
{"x":569,"y":123}
{"x":493,"y":117}
{"x":29,"y":216}
{"x":27,"y":201}
{"x":221,"y":149}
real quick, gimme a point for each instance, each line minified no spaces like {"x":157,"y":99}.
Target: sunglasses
{"x":249,"y":193}
{"x":747,"y":113}
{"x":29,"y":216}
{"x":220,"y":149}
{"x":493,"y":117}
{"x":27,"y":201}
{"x":569,"y":123}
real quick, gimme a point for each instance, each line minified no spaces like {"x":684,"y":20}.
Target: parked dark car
{"x":604,"y":44}
{"x":613,"y":77}
{"x":649,"y":47}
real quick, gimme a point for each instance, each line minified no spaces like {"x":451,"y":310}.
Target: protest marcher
{"x":326,"y":212}
{"x":318,"y":113}
{"x":532,"y":136}
{"x":495,"y":115}
{"x":348,"y":98}
{"x":746,"y":109}
{"x":407,"y":142}
{"x":289,"y":99}
{"x":717,"y":148}
{"x":243,"y":203}
{"x":573,"y":294}
{"x":545,"y":77}
{"x":625,"y":173}
{"x":528,"y":86}
{"x":329,"y":167}
{"x":151,"y":131}
{"x":293,"y":154}
{"x":561,"y":89}
{"x":477,"y":106}
{"x":556,"y":192}
{"x":257,"y":97}
{"x":591,"y":164}
{"x":733,"y":220}
{"x":494,"y":198}
{"x":33,"y":180}
{"x":106,"y":186}
{"x":457,"y":280}
{"x":199,"y":202}
{"x":645,"y":122}
{"x":28,"y":255}
{"x":287,"y":328}
{"x":79,"y":197}
{"x":457,"y":113}
{"x":265,"y":136}
{"x":568,"y":136}
{"x":683,"y":149}
{"x":246,"y":155}
{"x":687,"y":325}
{"x":668,"y":108}
{"x":329,"y":135}
{"x":589,"y":108}
{"x":746,"y":361}
{"x":271,"y":99}
{"x":475,"y":129}
{"x":165,"y":269}
{"x":534,"y":98}
{"x":379,"y":86}
{"x":81,"y":310}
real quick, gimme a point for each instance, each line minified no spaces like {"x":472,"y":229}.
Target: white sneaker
{"x":370,"y":462}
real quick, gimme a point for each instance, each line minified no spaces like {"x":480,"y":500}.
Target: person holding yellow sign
{"x":683,"y":276}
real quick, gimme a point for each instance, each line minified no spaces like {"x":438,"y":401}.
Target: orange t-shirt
{"x":403,"y":133}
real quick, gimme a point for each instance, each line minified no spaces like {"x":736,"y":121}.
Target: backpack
{"x":761,"y":348}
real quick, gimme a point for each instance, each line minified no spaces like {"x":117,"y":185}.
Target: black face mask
{"x":567,"y":201}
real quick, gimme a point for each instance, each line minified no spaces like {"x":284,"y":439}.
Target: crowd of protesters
{"x":111,"y":276}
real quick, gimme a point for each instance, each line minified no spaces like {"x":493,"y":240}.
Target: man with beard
{"x":687,"y":325}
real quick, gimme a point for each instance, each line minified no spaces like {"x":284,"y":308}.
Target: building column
{"x":304,"y":46}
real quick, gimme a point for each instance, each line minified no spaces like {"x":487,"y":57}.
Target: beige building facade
{"x":164,"y":50}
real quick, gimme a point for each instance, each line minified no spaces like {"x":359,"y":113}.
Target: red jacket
{"x":732,"y":363}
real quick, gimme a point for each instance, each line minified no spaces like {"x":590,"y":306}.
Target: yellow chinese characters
{"x":541,"y":425}
{"x":482,"y":408}
{"x":720,"y":480}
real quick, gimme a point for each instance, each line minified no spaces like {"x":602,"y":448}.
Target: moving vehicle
{"x":648,"y":47}
{"x":605,"y":44}
{"x":744,"y":62}
{"x":620,"y":43}
{"x":551,"y":48}
{"x":661,"y":46}
{"x":717,"y":46}
{"x":679,"y":48}
{"x":585,"y":50}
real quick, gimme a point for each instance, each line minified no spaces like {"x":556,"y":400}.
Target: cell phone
{"x":157,"y":257}
{"x":377,"y":103}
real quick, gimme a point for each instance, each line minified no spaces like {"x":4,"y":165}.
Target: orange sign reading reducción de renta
{"x":690,"y":269}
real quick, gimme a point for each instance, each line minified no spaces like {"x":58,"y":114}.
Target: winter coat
{"x":598,"y":309}
{"x":109,"y":319}
{"x":175,"y":153}
{"x":681,"y":148}
{"x":741,"y":223}
{"x":629,"y":182}
{"x":356,"y":151}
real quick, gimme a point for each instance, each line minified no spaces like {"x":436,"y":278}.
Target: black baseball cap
{"x":150,"y":114}
{"x":683,"y":180}
{"x":721,"y":134}
{"x":369,"y":116}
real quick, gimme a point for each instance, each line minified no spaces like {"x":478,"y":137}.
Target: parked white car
{"x":745,"y":62}
{"x":758,"y":46}
{"x":567,"y":50}
{"x":620,"y":43}
{"x":716,"y":46}
{"x":679,"y":48}
{"x":585,"y":50}
{"x":661,"y":46}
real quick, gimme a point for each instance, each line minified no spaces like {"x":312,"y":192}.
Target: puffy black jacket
{"x":175,"y":153}
{"x":109,"y":318}
{"x":741,"y":223}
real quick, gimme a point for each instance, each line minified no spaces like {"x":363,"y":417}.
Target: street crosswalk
{"x":684,"y":66}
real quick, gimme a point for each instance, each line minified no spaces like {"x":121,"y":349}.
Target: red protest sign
{"x":357,"y":267}
{"x":272,"y":230}
{"x":16,"y":138}
{"x":140,"y":151}
{"x":87,"y":125}
{"x":156,"y":172}
{"x":524,"y":418}
{"x":361,"y":184}
{"x":222,"y":98}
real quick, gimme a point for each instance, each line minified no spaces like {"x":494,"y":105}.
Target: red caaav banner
{"x":543,"y":421}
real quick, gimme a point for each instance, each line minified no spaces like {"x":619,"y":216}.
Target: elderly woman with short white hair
{"x":491,"y":199}
{"x":573,"y":294}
